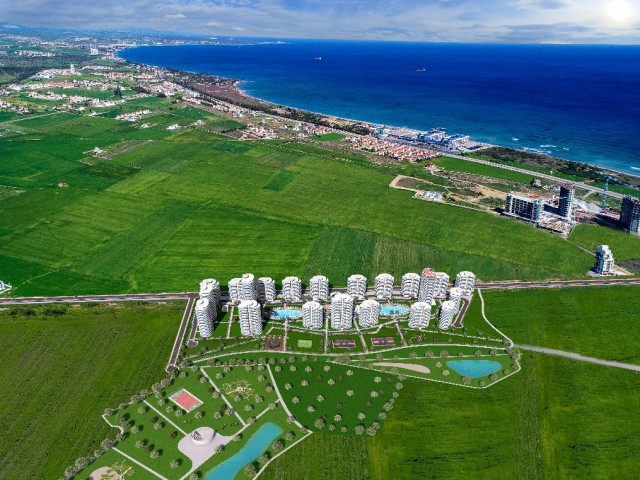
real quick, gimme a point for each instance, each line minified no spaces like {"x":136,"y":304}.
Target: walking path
{"x":487,"y":320}
{"x":156,"y":474}
{"x":177,"y":344}
{"x":282,"y":402}
{"x":581,"y":358}
{"x":222,"y":396}
{"x":165,"y":417}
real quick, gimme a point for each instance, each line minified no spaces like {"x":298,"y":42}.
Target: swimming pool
{"x":254,"y":447}
{"x":282,"y":313}
{"x":392,"y":310}
{"x":474,"y":368}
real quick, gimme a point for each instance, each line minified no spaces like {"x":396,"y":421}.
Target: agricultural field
{"x":62,"y":366}
{"x":201,"y":203}
{"x":599,"y":322}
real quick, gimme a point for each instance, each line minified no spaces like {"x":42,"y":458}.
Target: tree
{"x":290,"y":436}
{"x":311,"y":409}
{"x":250,"y":470}
{"x":371,"y":431}
{"x":288,"y":386}
{"x":194,"y":476}
{"x":337,"y":417}
{"x":493,"y":352}
{"x":359,"y":429}
{"x":362,"y":416}
{"x":350,"y":393}
{"x":295,"y":400}
{"x":382,"y":415}
{"x":444,"y":353}
{"x":478,"y":353}
{"x":142,"y":410}
{"x":155,"y":454}
{"x":374,"y":394}
{"x":377,"y":379}
{"x":466,"y":380}
{"x":399,"y":386}
{"x":140,"y":444}
{"x":263,"y":459}
{"x":174,"y":464}
{"x":199,"y":414}
{"x":320,"y":398}
{"x":493,"y":377}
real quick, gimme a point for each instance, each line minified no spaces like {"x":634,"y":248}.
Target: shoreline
{"x":235,"y":84}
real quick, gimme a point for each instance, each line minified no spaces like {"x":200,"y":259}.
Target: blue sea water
{"x":573,"y":101}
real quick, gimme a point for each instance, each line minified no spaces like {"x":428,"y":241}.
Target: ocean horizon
{"x":577,"y":102}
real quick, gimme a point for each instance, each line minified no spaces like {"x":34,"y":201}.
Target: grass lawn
{"x":600,"y":322}
{"x":624,"y":246}
{"x":457,"y":165}
{"x":61,"y":369}
{"x":337,"y":394}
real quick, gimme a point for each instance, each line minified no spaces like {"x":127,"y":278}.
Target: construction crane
{"x":606,"y":189}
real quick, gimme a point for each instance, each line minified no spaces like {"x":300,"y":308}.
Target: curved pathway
{"x":581,"y":358}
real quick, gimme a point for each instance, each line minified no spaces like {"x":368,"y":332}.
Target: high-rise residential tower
{"x":248,"y":290}
{"x":234,"y":290}
{"x":312,"y":315}
{"x":442,"y":284}
{"x":630,"y":214}
{"x":357,"y":286}
{"x":420,"y":315}
{"x":250,"y":318}
{"x":428,"y":285}
{"x":383,"y":286}
{"x":466,"y":281}
{"x":448,"y":311}
{"x":210,"y":289}
{"x":455,"y":295}
{"x":410,"y":285}
{"x":319,"y":288}
{"x":205,"y":316}
{"x":368,"y":313}
{"x":341,"y":311}
{"x":565,"y":202}
{"x":604,"y":261}
{"x":292,"y":289}
{"x":266,"y":289}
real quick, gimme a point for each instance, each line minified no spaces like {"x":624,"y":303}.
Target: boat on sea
{"x":318,"y":58}
{"x":420,"y":70}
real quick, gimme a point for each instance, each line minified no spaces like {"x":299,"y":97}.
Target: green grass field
{"x":624,"y":246}
{"x":60,"y":371}
{"x":188,"y":204}
{"x":600,"y":322}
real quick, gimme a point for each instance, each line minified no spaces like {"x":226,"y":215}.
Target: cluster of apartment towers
{"x":250,"y":295}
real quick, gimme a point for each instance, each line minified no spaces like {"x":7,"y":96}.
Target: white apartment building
{"x":292,"y":289}
{"x":383,"y":286}
{"x":442,"y":284}
{"x":419,"y":315}
{"x":210,"y":288}
{"x":248,"y":290}
{"x":368,"y":313}
{"x":448,"y":312}
{"x":466,"y":281}
{"x":250,"y":318}
{"x":455,"y":295}
{"x":234,"y":290}
{"x":312,"y":315}
{"x":357,"y":286}
{"x":428,"y":285}
{"x":341,"y":311}
{"x":319,"y":288}
{"x":410,"y":285}
{"x":266,"y":289}
{"x":205,"y":316}
{"x":604,"y":261}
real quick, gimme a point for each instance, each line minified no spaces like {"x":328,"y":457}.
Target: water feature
{"x":282,"y":313}
{"x":391,"y":310}
{"x":251,"y":450}
{"x":474,"y":368}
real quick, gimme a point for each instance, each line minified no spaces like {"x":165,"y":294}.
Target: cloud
{"x":526,"y":21}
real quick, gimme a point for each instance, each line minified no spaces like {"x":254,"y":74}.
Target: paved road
{"x":460,"y":317}
{"x":145,"y":297}
{"x":177,"y":344}
{"x":582,"y":358}
{"x":560,"y":283}
{"x":582,"y":185}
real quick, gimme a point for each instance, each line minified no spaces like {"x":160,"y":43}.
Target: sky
{"x":504,"y":21}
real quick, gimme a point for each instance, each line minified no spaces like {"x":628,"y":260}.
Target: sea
{"x":579,"y":102}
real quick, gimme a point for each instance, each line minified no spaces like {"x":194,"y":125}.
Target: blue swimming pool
{"x":391,"y":310}
{"x":474,"y":368}
{"x":282,"y":313}
{"x":254,"y":447}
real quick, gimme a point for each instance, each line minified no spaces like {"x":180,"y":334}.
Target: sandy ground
{"x":199,"y":454}
{"x":97,"y":474}
{"x":407,"y":366}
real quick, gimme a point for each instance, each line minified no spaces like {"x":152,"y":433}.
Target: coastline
{"x":236,"y":84}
